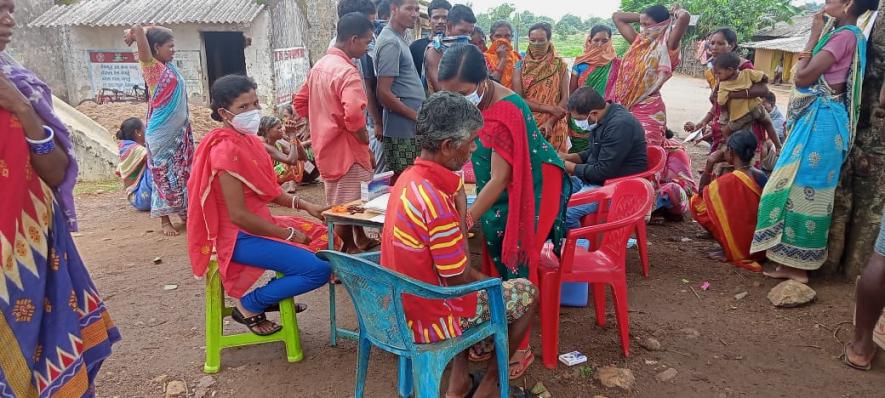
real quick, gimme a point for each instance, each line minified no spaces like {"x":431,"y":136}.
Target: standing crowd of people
{"x":433,"y":111}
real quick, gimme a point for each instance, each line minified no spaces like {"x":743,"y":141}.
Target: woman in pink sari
{"x":648,"y":64}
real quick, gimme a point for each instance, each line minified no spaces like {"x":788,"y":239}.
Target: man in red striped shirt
{"x":423,"y":238}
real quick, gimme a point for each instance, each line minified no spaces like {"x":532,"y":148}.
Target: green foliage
{"x":744,"y":16}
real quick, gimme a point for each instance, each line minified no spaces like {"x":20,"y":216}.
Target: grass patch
{"x":97,"y":186}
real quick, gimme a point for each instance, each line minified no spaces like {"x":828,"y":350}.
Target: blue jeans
{"x":302,"y":270}
{"x":574,"y":215}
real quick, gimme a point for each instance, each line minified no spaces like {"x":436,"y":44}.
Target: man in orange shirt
{"x":334,"y":101}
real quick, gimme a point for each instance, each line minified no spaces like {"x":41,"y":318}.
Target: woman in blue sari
{"x":54,"y":328}
{"x":168,"y":135}
{"x":796,"y":207}
{"x":133,"y":167}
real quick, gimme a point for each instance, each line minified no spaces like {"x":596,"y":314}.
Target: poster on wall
{"x":190,"y":65}
{"x":120,"y":71}
{"x":115,"y":70}
{"x":290,"y":68}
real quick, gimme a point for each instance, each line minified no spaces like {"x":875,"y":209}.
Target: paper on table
{"x":378,"y":219}
{"x":379,"y":204}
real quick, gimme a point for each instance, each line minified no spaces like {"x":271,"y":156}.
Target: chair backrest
{"x":631,"y":200}
{"x":656,"y":158}
{"x":551,"y":206}
{"x":376,"y":293}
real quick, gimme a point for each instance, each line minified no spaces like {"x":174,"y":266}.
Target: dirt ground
{"x":111,"y":115}
{"x":720,"y":346}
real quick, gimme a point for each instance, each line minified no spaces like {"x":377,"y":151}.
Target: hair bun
{"x":216,"y":117}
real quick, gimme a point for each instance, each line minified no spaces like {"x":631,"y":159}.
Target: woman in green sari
{"x":596,"y":68}
{"x":511,"y":153}
{"x":796,"y":208}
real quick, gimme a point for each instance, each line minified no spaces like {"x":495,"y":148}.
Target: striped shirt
{"x":423,"y":239}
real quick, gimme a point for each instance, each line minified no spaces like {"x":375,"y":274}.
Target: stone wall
{"x":39,"y":49}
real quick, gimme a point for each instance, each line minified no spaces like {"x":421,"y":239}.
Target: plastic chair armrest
{"x":588,"y":197}
{"x":374,"y":257}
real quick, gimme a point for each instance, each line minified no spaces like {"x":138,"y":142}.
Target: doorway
{"x":224,"y":54}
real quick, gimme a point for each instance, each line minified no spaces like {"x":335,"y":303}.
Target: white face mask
{"x":247,"y":122}
{"x":474,"y":97}
{"x":585,"y":125}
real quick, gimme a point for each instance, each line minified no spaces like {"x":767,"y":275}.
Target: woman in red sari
{"x":232,"y":183}
{"x":729,"y":205}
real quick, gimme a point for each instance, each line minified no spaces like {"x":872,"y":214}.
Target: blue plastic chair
{"x":377,"y":296}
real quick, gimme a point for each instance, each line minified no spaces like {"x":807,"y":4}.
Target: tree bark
{"x":860,"y":196}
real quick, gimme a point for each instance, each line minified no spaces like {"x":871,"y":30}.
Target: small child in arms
{"x":738,"y":113}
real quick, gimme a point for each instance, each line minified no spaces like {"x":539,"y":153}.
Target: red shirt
{"x":334,"y":101}
{"x":423,"y":239}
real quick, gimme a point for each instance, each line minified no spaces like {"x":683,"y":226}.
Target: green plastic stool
{"x":216,"y":311}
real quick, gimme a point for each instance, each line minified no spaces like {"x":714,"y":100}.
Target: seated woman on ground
{"x":730,"y":203}
{"x":233,"y":182}
{"x":287,"y":156}
{"x":297,"y":131}
{"x":133,"y":167}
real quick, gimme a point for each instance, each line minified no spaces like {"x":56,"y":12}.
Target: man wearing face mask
{"x":616,"y":147}
{"x":334,"y":101}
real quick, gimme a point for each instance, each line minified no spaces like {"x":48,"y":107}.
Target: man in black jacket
{"x":617,"y":147}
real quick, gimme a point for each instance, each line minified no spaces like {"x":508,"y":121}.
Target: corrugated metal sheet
{"x":799,"y":25}
{"x":130,"y":12}
{"x":789,"y":44}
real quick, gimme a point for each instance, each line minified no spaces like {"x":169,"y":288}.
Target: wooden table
{"x":357,"y":220}
{"x":364,"y":219}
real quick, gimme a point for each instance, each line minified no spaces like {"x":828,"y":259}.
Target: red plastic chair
{"x":551,"y":194}
{"x":628,"y":203}
{"x":657,"y":160}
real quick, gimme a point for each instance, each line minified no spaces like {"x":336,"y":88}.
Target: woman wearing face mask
{"x":796,"y":208}
{"x":500,"y":56}
{"x":168,"y":131}
{"x":542,"y":79}
{"x":232,"y":183}
{"x":648,"y":64}
{"x":596,"y":68}
{"x":508,"y":165}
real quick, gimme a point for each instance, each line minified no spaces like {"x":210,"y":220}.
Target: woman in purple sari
{"x":54,"y":327}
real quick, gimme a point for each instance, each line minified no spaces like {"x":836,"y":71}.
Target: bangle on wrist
{"x":291,"y":233}
{"x":44,"y":146}
{"x":294,"y":204}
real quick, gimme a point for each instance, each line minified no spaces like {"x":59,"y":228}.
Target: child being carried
{"x":739,"y":112}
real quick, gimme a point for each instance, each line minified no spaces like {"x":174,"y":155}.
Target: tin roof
{"x":799,"y":25}
{"x":130,"y":12}
{"x":789,"y":44}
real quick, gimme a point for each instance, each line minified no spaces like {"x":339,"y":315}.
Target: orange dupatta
{"x":492,"y":60}
{"x":542,"y":83}
{"x":728,"y":210}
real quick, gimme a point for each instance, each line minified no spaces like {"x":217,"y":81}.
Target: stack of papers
{"x":378,"y":205}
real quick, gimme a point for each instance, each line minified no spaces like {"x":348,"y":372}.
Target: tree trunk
{"x":860,"y":196}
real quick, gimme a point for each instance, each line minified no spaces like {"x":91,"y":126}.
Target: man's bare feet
{"x":459,"y":385}
{"x":488,"y":388}
{"x":784,"y":272}
{"x":168,"y":228}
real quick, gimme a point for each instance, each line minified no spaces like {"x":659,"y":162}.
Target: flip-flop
{"x":527,"y":360}
{"x":847,"y":361}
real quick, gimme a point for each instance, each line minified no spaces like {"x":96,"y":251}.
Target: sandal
{"x":847,"y":361}
{"x":521,"y":366}
{"x":480,"y":352}
{"x":254,"y":321}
